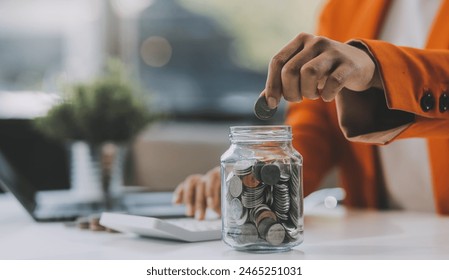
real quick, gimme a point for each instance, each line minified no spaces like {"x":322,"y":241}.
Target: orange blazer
{"x":415,"y":81}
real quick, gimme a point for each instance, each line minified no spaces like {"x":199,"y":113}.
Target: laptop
{"x":63,"y":205}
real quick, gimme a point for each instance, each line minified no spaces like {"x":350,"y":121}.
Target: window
{"x":199,"y":59}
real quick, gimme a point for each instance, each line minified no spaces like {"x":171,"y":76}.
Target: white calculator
{"x":182,"y":229}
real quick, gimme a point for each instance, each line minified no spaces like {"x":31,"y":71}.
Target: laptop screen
{"x":43,"y":162}
{"x":17,"y":185}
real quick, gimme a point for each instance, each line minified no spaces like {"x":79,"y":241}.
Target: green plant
{"x":108,"y":109}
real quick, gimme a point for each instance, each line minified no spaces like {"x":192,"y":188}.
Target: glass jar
{"x":262,"y":192}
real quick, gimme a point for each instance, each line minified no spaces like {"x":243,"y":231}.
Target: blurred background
{"x":202,"y":63}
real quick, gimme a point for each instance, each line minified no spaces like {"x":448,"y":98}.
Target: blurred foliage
{"x":108,"y":109}
{"x":260,"y":27}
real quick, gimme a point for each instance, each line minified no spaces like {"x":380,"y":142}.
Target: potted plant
{"x":98,"y":120}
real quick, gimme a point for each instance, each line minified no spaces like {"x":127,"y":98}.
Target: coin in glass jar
{"x":275,"y":234}
{"x":235,"y":186}
{"x":270,"y":174}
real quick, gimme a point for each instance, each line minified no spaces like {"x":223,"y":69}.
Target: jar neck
{"x":260,"y":134}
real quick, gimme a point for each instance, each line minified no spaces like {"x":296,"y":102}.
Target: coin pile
{"x":263,"y":201}
{"x":92,"y":222}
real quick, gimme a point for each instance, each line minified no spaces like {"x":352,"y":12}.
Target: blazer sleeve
{"x":315,"y":137}
{"x":415,"y":97}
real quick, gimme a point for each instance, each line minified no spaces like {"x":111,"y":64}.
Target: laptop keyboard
{"x":68,"y":212}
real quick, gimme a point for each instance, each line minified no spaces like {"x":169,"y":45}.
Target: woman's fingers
{"x":274,"y":88}
{"x":178,"y":194}
{"x":200,"y":200}
{"x":312,"y":67}
{"x":292,"y":76}
{"x":314,"y":74}
{"x":199,"y":192}
{"x":213,"y":190}
{"x":335,"y":82}
{"x":190,"y":185}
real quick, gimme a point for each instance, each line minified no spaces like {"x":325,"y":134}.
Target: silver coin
{"x":259,"y":208}
{"x":243,"y":167}
{"x":266,"y":214}
{"x":285,"y":177}
{"x":281,"y":216}
{"x":281,"y":198}
{"x":228,"y":196}
{"x":296,"y":210}
{"x":236,"y":209}
{"x":295,"y":179}
{"x":243,"y":218}
{"x":275,"y":234}
{"x":264,"y":225}
{"x":256,"y":169}
{"x":251,"y":197}
{"x":285,"y":172}
{"x":292,"y":231}
{"x":235,"y":186}
{"x":261,"y":109}
{"x":270,"y":174}
{"x":268,"y":196}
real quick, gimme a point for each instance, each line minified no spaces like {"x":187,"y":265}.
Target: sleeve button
{"x":444,"y":102}
{"x":427,"y":101}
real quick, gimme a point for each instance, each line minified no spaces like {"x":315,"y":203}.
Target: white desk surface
{"x":342,"y":235}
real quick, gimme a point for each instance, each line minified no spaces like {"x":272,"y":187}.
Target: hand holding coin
{"x":315,"y":67}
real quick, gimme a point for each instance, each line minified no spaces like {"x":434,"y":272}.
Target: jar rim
{"x":262,"y":127}
{"x":260,"y":133}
